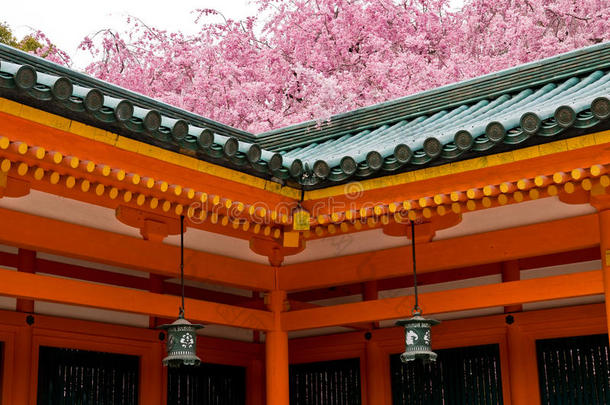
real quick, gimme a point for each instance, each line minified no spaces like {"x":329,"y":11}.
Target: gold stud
{"x":518,"y":196}
{"x":39,"y":173}
{"x":5,"y":166}
{"x":85,"y":185}
{"x":22,"y":169}
{"x":54,"y":178}
{"x":114,"y":193}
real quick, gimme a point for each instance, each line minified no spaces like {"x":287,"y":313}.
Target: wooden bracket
{"x":577,"y":197}
{"x":601,"y":202}
{"x":292,"y":239}
{"x":425,"y":231}
{"x":153,"y":230}
{"x":597,"y":197}
{"x":153,"y":227}
{"x":12,"y":187}
{"x":273,"y":250}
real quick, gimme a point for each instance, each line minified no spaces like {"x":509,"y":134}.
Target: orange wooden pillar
{"x":522,"y":367}
{"x":22,"y":366}
{"x":377,"y":364}
{"x":378,"y":390}
{"x":152,"y":382}
{"x":22,"y":370}
{"x":276,"y":353}
{"x":604,"y":244}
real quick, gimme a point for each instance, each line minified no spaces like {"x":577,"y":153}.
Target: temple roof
{"x":538,"y":102}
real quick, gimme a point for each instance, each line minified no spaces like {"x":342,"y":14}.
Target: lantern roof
{"x":534,"y":103}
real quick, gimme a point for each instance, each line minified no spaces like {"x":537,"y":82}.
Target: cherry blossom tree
{"x":308,"y":59}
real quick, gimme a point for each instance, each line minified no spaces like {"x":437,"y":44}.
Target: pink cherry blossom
{"x":309,"y":59}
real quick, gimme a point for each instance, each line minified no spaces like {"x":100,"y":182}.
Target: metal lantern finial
{"x":181,"y":334}
{"x":417,"y":328}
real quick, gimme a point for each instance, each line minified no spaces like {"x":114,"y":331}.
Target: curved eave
{"x":16,"y":56}
{"x":503,"y":111}
{"x":62,"y":96}
{"x":509,"y":122}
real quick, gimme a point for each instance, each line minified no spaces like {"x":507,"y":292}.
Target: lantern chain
{"x":181,"y":314}
{"x":416,"y":308}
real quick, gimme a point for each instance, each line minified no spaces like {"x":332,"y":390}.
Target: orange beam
{"x":502,"y":294}
{"x":490,"y":247}
{"x":298,"y":305}
{"x":65,"y":239}
{"x":124,"y":280}
{"x":528,"y":263}
{"x":53,"y":289}
{"x":583,"y":255}
{"x":399,"y":282}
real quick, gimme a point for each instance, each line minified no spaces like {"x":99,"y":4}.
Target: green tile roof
{"x":534,"y":103}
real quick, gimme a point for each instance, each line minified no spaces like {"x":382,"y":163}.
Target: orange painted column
{"x":511,"y":272}
{"x":377,"y":375}
{"x":276,"y":353}
{"x":377,"y":364}
{"x":27,"y":264}
{"x":23,"y":345}
{"x":522,"y":367}
{"x":604,"y":245}
{"x":22,"y":366}
{"x":151,"y":377}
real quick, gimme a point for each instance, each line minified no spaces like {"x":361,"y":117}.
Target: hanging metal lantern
{"x":181,"y":343}
{"x":417,"y":338}
{"x":417,"y":328}
{"x":181,"y":334}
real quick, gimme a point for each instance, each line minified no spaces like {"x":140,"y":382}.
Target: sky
{"x":67,"y":22}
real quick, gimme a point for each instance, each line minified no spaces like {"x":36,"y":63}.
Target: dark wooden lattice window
{"x":574,"y":370}
{"x":334,"y":382}
{"x":207,"y":384}
{"x":460,"y":376}
{"x":70,"y":376}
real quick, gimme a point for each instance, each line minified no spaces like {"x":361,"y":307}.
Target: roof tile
{"x":517,"y":111}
